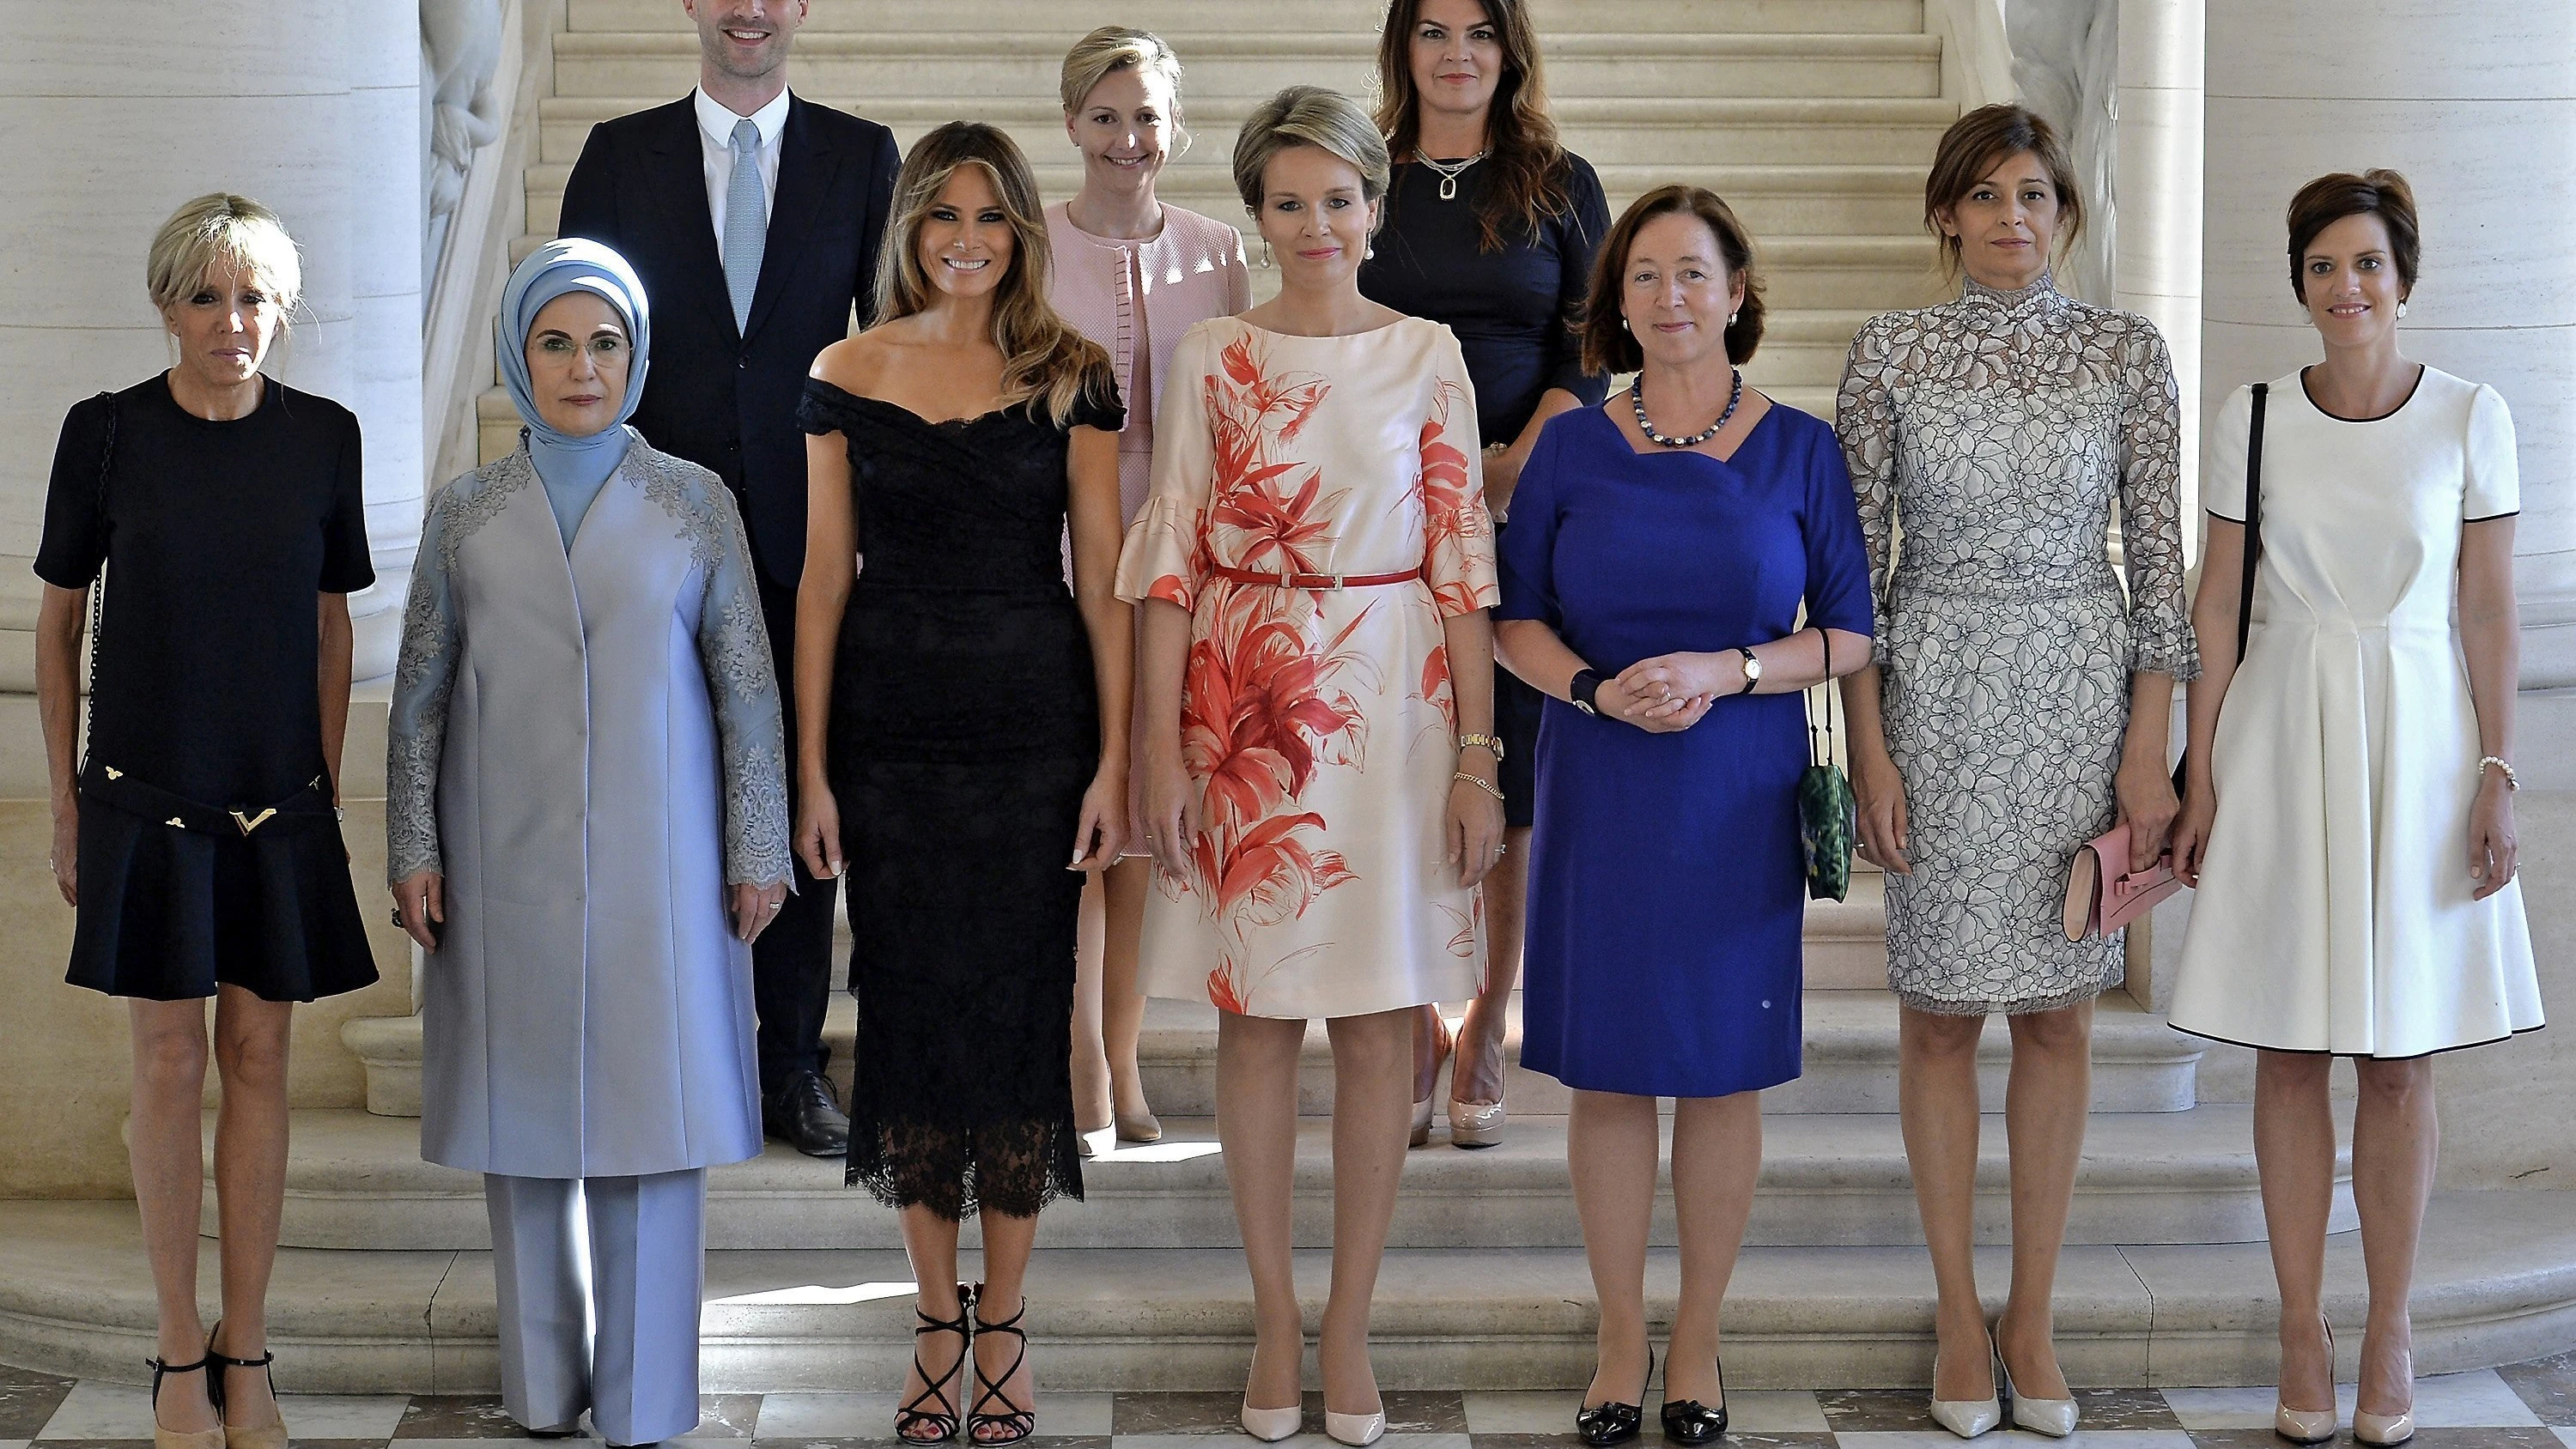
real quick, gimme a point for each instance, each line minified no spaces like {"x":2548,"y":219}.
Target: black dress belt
{"x":111,"y":786}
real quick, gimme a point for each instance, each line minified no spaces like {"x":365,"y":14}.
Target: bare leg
{"x":2294,"y":1151}
{"x":1007,"y":1241}
{"x":250,"y":1185}
{"x":2396,"y":1136}
{"x":2046,"y":1105}
{"x":1122,"y":1005}
{"x":1091,"y":1099}
{"x":1256,"y":1124}
{"x":1372,"y":1116}
{"x":1610,"y":1148}
{"x":1717,"y":1155}
{"x":930,"y":1244}
{"x":1936,"y":1100}
{"x":1478,"y":1076}
{"x":165,"y":1146}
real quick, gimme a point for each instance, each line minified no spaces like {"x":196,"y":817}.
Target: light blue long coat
{"x":586,"y":740}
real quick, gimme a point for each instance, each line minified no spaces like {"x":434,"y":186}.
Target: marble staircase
{"x":1814,"y":118}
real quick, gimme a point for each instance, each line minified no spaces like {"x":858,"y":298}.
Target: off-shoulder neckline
{"x":956,"y":422}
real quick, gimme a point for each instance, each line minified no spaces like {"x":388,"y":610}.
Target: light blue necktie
{"x":746,"y":223}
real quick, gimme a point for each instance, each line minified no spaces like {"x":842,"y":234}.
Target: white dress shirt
{"x":715,"y":148}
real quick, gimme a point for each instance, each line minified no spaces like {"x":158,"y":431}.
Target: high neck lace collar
{"x":2013,"y":303}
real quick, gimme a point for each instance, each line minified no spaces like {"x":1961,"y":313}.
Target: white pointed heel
{"x":1476,"y":1124}
{"x":1356,"y":1430}
{"x":1096,"y":1141}
{"x":2309,"y":1426}
{"x":1269,"y":1425}
{"x":2053,"y":1417}
{"x":2383,"y":1431}
{"x":1969,"y":1418}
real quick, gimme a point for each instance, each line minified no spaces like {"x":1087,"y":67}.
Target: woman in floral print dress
{"x":1313,"y":570}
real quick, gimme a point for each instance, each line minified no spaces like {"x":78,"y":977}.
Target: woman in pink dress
{"x":1131,"y":274}
{"x":1314,"y":569}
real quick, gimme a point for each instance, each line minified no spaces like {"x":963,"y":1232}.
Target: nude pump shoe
{"x":2308,"y":1426}
{"x":236,"y":1437}
{"x":193,"y":1439}
{"x":2053,"y":1417}
{"x":1969,"y":1418}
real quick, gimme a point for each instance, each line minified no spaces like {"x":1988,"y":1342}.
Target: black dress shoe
{"x":1692,"y":1422}
{"x":804,"y":1115}
{"x":1605,"y":1424}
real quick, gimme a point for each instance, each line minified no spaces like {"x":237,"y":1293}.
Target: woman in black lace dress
{"x":971,"y":719}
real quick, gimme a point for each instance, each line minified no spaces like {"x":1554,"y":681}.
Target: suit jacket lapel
{"x":686,"y":217}
{"x":806,"y":168}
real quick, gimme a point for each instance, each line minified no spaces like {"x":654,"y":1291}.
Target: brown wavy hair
{"x":2330,"y":198}
{"x":1978,"y":142}
{"x":1608,"y":346}
{"x":1521,"y":145}
{"x":1043,"y":357}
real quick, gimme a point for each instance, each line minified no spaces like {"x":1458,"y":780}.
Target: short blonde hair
{"x":1309,"y":116}
{"x":235,"y":231}
{"x":1112,"y":48}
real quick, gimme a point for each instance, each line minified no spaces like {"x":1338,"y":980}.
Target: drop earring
{"x":1369,"y":254}
{"x":1730,"y":318}
{"x":2401,"y":309}
{"x":1265,"y":254}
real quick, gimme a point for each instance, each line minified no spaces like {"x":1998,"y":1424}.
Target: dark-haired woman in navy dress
{"x":1662,"y":548}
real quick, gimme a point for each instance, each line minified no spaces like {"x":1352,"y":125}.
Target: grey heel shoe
{"x":1969,"y":1418}
{"x":2053,"y":1417}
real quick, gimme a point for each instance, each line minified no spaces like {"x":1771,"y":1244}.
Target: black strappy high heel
{"x":912,"y":1414}
{"x":1021,"y":1422}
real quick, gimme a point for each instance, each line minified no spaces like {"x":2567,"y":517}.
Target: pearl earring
{"x":1623,"y":324}
{"x":1369,"y":254}
{"x":2401,"y":308}
{"x":1730,"y":318}
{"x":1265,"y":254}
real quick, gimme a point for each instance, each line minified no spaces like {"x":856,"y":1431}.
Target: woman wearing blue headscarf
{"x":587,"y":813}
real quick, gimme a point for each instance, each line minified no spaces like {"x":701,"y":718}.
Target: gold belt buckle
{"x":250,"y":823}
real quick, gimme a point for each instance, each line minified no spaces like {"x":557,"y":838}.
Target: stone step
{"x":1672,"y":132}
{"x":2495,"y":1283}
{"x":977,"y":63}
{"x":1177,"y":20}
{"x":1772,"y":200}
{"x":1849,"y":1047}
{"x":357,"y":1181}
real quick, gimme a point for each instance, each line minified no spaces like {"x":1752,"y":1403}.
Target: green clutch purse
{"x":1828,"y":817}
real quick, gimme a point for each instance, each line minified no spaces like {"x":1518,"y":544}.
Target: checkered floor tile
{"x":2526,"y":1406}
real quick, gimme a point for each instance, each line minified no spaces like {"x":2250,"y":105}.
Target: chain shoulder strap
{"x":98,"y":589}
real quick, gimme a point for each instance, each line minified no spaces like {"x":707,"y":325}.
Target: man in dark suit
{"x":753,"y":217}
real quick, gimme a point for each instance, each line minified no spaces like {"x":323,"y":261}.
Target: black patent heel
{"x":1692,"y":1422}
{"x":1605,"y":1424}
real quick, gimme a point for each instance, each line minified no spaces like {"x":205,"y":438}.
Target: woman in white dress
{"x":2357,"y":895}
{"x":1313,"y":573}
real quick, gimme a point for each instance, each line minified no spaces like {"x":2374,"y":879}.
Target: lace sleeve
{"x":424,"y":676}
{"x":1865,"y":421}
{"x":742,"y":679}
{"x":2151,"y":508}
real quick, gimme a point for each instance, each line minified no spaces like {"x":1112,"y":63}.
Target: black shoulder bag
{"x":2253,"y":548}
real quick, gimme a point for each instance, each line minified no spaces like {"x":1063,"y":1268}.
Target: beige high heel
{"x":2309,"y":1426}
{"x":272,"y":1436}
{"x":1440,"y":1049}
{"x":191,"y":1439}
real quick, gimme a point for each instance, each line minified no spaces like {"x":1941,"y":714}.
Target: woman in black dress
{"x":1491,"y":227}
{"x":972,"y":719}
{"x":197,"y":839}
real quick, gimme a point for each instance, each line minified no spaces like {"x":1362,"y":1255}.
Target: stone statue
{"x":460,"y":49}
{"x":2066,"y":65}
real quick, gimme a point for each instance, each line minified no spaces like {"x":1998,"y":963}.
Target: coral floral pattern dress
{"x":1318,"y":724}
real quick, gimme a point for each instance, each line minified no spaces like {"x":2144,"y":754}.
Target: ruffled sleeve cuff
{"x":2165,"y":644}
{"x":1161,"y":558}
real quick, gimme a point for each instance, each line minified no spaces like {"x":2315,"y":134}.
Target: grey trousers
{"x":599,"y":1282}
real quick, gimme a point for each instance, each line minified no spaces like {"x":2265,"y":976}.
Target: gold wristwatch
{"x":1488,"y":743}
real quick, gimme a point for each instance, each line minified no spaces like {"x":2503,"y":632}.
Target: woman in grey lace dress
{"x":587,"y":811}
{"x":2019,"y":706}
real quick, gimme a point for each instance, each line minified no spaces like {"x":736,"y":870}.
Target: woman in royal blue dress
{"x":1662,"y":547}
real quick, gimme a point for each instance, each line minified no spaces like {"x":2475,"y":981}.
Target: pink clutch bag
{"x":2104,"y":894}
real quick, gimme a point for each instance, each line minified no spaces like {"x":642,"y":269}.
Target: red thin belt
{"x":1286,"y":580}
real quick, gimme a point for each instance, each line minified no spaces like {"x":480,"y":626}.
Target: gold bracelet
{"x":1488,"y":743}
{"x":1494,"y":790}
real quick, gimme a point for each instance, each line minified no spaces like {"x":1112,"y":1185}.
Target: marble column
{"x":2476,"y":104}
{"x":121,"y":115}
{"x":2156,"y":264}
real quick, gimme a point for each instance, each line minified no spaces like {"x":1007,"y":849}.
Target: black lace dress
{"x":964,"y":730}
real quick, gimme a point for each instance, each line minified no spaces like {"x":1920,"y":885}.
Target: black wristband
{"x":1581,"y":689}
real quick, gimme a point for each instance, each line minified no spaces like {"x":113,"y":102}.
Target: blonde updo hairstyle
{"x":1113,"y":48}
{"x":1310,"y":116}
{"x":222,"y":230}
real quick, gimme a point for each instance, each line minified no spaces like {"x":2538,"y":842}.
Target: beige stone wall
{"x":63,"y":1053}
